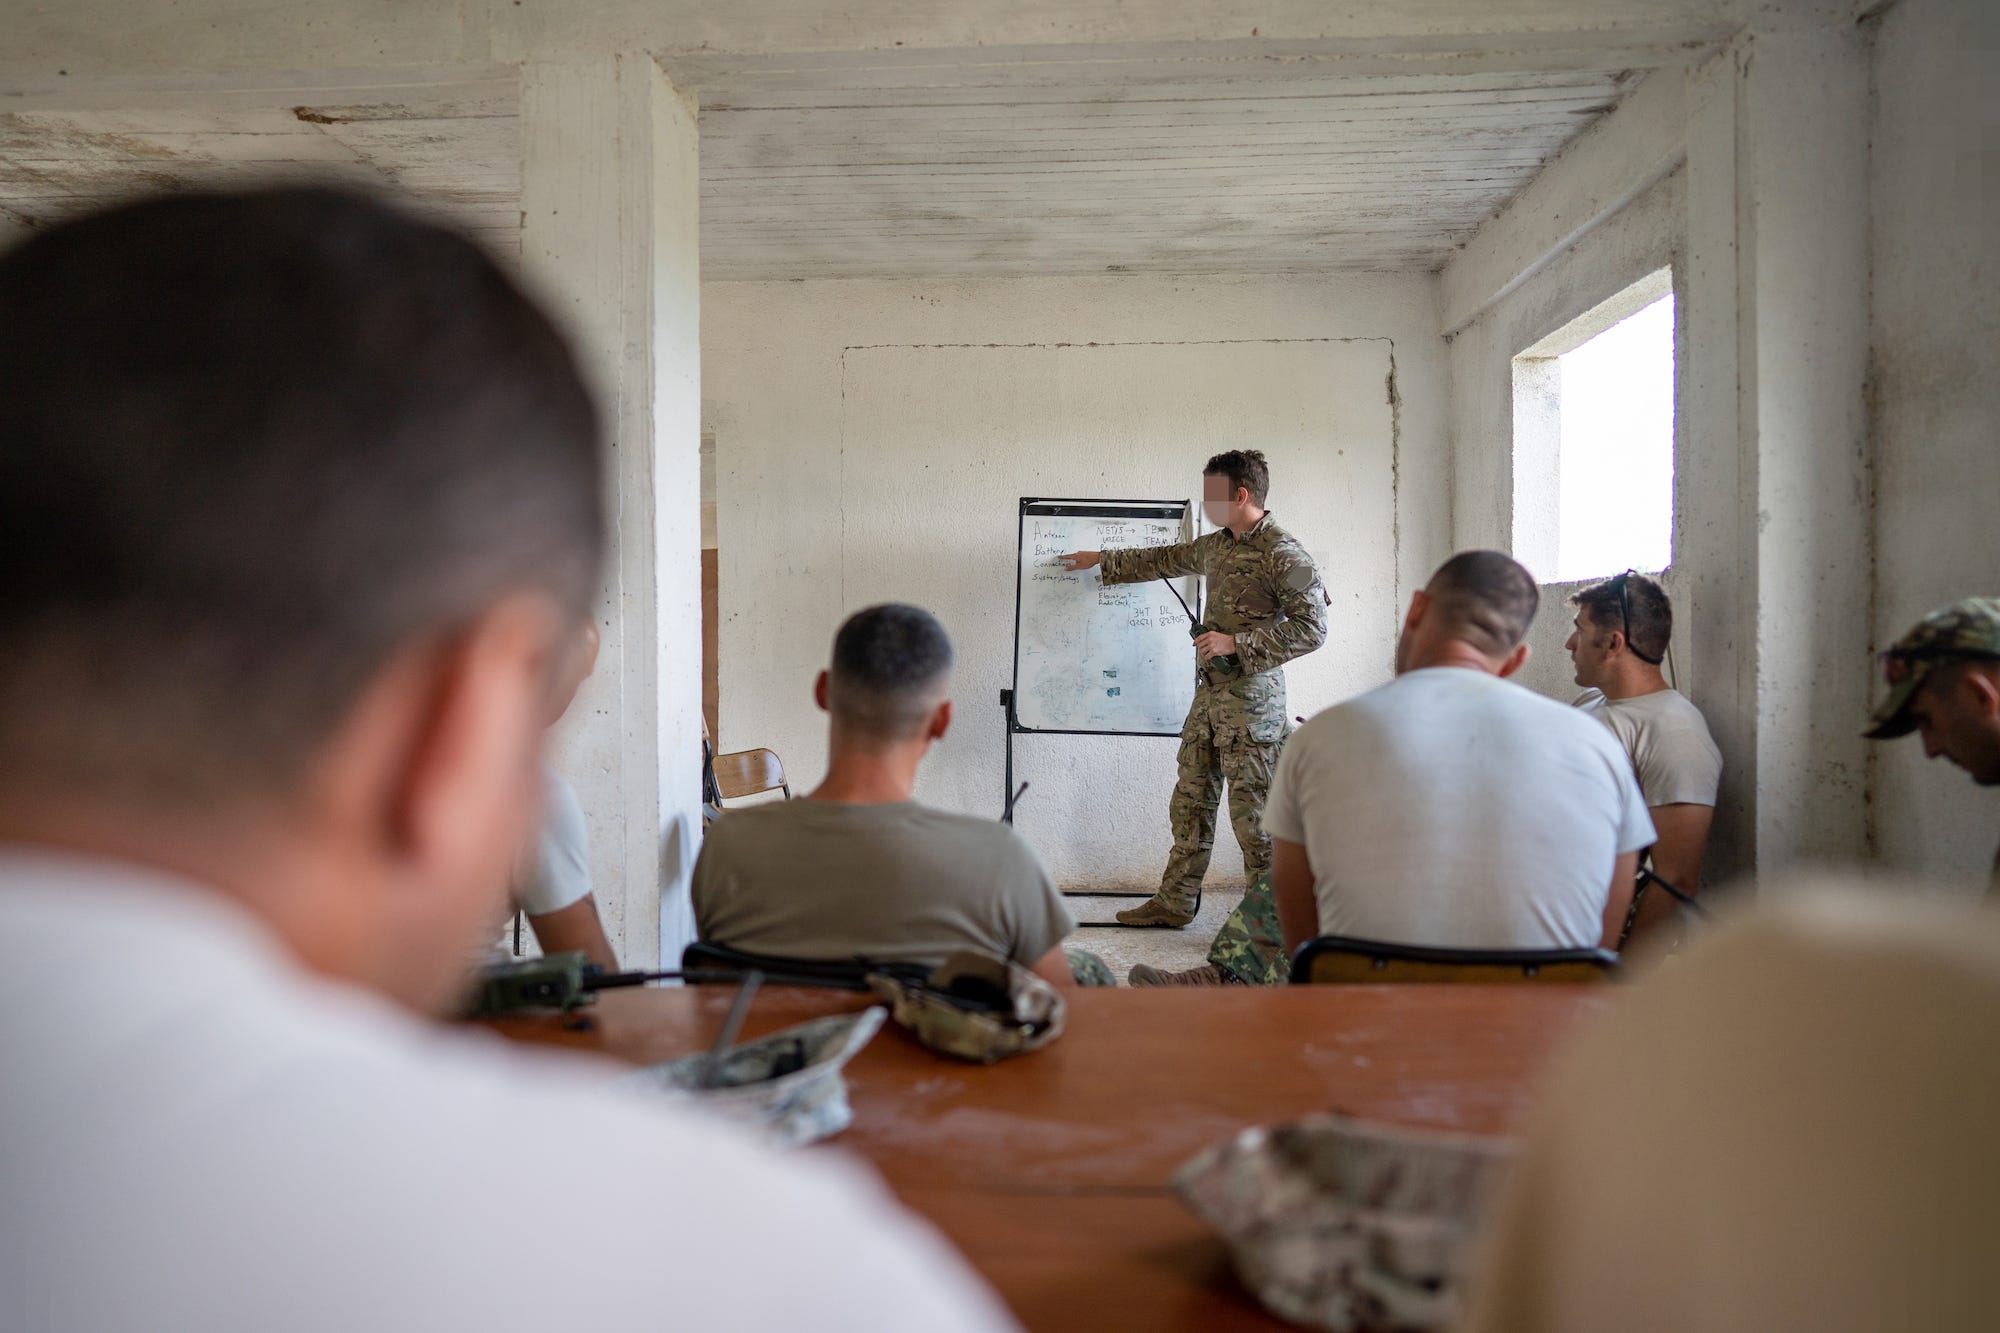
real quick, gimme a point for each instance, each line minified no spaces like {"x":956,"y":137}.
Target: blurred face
{"x":1588,"y":650}
{"x":1957,"y":712}
{"x":1222,"y":505}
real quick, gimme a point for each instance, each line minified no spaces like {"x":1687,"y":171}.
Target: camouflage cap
{"x":975,"y":1007}
{"x":1967,"y":630}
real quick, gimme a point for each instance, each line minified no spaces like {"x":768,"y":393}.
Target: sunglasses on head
{"x":1625,"y":616}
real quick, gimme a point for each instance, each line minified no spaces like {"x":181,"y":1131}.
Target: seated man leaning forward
{"x":299,"y":501}
{"x":1623,"y":626}
{"x":1944,"y":684}
{"x":858,"y":868}
{"x":551,"y":885}
{"x":1451,"y":807}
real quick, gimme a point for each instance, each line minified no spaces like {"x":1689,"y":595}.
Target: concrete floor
{"x":1170,"y":950}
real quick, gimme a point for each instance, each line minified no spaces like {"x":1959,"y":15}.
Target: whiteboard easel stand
{"x":1013,"y":722}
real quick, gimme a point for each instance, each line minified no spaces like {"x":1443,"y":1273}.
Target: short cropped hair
{"x":890,"y":664}
{"x":1651,"y":613}
{"x":251,"y":446}
{"x":1485,"y":598}
{"x":1245,"y":468}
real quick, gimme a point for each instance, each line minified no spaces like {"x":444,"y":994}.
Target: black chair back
{"x":1338,"y":960}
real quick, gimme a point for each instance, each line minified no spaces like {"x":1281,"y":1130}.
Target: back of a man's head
{"x":1635,"y":606}
{"x":1483,"y":599}
{"x":251,"y":447}
{"x":891,"y":669}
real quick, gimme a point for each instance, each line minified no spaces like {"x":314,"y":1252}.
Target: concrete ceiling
{"x":455,"y":149}
{"x":1196,"y":157}
{"x":1278,"y":170}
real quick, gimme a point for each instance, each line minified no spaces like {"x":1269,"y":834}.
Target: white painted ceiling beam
{"x":1604,"y":169}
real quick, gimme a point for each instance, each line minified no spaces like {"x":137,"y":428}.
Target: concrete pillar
{"x":1716,"y":473}
{"x":1804,"y":136}
{"x":1778,"y":334}
{"x":609,"y":198}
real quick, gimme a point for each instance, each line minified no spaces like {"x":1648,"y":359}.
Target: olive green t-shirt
{"x":823,"y":880}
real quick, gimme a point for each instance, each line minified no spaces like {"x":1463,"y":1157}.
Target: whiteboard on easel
{"x":1091,"y":658}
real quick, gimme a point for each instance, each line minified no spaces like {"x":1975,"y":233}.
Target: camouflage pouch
{"x":975,"y":1007}
{"x":1344,"y":1224}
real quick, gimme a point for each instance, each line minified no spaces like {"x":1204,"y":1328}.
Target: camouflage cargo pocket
{"x":1262,"y":700}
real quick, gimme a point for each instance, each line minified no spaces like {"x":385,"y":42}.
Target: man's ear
{"x":477,"y":738}
{"x":438,"y":814}
{"x":1420,"y":605}
{"x":1515,"y":661}
{"x":1982,"y":691}
{"x":819,"y":693}
{"x":940,"y":721}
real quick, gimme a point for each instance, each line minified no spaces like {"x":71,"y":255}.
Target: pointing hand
{"x":1075,"y":560}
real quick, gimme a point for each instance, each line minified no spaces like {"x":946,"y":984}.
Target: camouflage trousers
{"x":1087,"y":969}
{"x":1250,"y":945}
{"x":1232,"y":735}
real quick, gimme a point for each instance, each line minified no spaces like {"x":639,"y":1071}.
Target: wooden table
{"x":1050,"y":1170}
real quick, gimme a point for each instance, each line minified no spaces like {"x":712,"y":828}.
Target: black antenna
{"x":1007,"y":816}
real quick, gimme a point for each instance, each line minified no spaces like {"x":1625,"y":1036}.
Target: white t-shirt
{"x":1668,"y":740}
{"x":197,"y":1135}
{"x":555,"y":872}
{"x":1455,"y":809}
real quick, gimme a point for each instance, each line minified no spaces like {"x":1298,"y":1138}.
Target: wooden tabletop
{"x":1050,"y":1170}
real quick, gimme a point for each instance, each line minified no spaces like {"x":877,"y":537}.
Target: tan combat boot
{"x":1156,"y":911}
{"x":1208,"y":974}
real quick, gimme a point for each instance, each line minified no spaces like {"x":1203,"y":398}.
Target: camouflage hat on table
{"x":975,"y":1007}
{"x":1965,"y":631}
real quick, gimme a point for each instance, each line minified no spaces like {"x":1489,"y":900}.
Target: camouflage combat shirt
{"x":1262,"y":588}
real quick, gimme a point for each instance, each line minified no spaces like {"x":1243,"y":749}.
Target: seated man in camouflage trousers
{"x":1265,"y":607}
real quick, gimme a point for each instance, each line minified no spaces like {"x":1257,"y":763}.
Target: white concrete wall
{"x":805,"y":512}
{"x":1640,"y":239}
{"x":1936,"y":384}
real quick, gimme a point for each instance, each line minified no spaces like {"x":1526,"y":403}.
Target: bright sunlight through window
{"x":1594,"y":441}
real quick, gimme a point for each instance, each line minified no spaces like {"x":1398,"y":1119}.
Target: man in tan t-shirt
{"x":1790,"y":1128}
{"x":858,"y":868}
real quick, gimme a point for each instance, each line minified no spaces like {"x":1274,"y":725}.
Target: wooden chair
{"x":747,"y":772}
{"x":1335,"y":959}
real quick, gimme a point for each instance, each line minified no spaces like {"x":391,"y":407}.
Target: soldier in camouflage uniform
{"x":1265,"y":607}
{"x":1944,"y":681}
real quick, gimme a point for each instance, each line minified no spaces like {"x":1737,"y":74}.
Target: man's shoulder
{"x":1484,"y":694}
{"x":750,"y":825}
{"x":1580,"y":719}
{"x":1666,"y":711}
{"x":968,"y":830}
{"x":1280,"y":557}
{"x":1362,"y":710}
{"x":755,"y":820}
{"x":1275,"y":542}
{"x":1677,"y":705}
